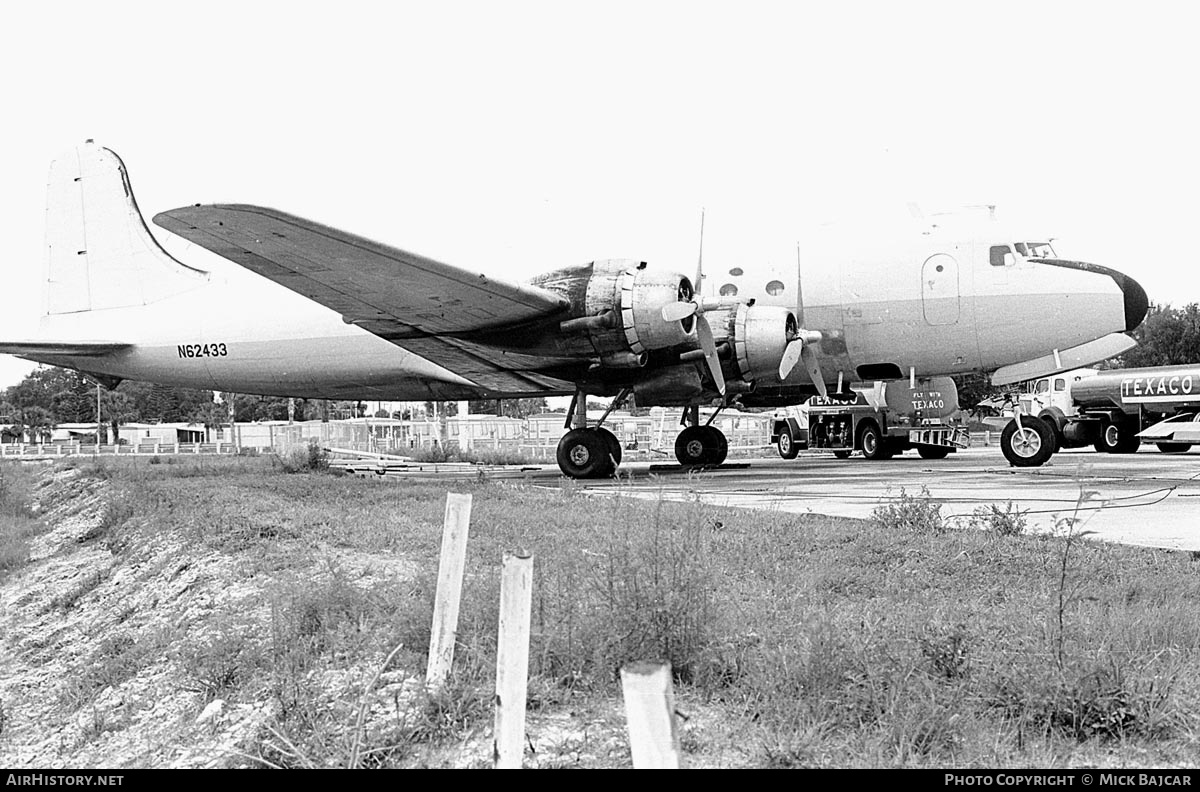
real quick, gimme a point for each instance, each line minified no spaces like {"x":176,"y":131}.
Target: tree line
{"x":50,"y":396}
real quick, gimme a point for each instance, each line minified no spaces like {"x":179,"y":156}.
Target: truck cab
{"x":1053,"y":393}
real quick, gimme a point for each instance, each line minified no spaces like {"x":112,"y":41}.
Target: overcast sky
{"x":515,"y":137}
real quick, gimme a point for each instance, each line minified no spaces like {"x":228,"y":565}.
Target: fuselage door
{"x":939,"y":289}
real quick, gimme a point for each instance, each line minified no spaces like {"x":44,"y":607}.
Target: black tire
{"x":614,"y":445}
{"x":842,"y":454}
{"x":716,"y":445}
{"x":584,"y":453}
{"x":1055,"y":420}
{"x":933,"y":452}
{"x":690,"y":448}
{"x":1031,"y":445}
{"x":1117,"y":438}
{"x":1173,"y":448}
{"x":786,"y":445}
{"x":872,"y":442}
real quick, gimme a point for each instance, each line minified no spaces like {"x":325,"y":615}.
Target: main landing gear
{"x":700,"y":445}
{"x":594,"y":452}
{"x":589,"y":452}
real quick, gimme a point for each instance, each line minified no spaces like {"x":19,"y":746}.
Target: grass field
{"x":794,"y":640}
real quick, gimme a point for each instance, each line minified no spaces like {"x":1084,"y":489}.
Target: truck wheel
{"x":787,"y":447}
{"x":1055,"y":420}
{"x":842,"y":454}
{"x":1117,"y":438}
{"x":1173,"y":448}
{"x":933,"y":452}
{"x":872,"y":442}
{"x":1030,"y":445}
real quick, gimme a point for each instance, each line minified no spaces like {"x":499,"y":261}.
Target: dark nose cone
{"x":1136,"y":303}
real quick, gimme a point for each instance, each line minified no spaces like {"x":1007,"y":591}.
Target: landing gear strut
{"x":700,"y":445}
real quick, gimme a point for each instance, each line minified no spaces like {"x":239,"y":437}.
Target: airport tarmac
{"x":1149,"y":498}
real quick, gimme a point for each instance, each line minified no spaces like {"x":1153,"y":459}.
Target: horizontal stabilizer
{"x":1064,"y":359}
{"x":39,"y":349}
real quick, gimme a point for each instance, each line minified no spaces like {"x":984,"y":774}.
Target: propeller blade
{"x":705,"y":336}
{"x":678,"y":311}
{"x":791,"y":356}
{"x":814,"y":368}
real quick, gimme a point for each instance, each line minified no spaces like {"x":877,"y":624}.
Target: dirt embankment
{"x":118,"y":641}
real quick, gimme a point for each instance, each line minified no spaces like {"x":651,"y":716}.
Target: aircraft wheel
{"x":786,"y":445}
{"x":1173,"y":448}
{"x":614,"y":445}
{"x":584,"y":453}
{"x":717,"y":447}
{"x":1028,"y":446}
{"x":701,"y":445}
{"x":933,"y":452}
{"x":689,"y":446}
{"x":874,"y":445}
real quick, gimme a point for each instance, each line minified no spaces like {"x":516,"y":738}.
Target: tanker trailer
{"x":1113,"y":411}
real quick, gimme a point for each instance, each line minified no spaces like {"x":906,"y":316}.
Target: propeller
{"x":801,"y":345}
{"x":696,"y":306}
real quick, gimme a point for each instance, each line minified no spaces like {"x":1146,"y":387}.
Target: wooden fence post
{"x":449,"y":588}
{"x":650,"y":715}
{"x":512,"y":661}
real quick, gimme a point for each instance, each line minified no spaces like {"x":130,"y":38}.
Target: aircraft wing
{"x":390,"y":292}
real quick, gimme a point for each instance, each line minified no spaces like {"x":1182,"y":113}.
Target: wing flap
{"x":390,"y":292}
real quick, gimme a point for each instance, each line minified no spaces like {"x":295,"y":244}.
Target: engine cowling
{"x":760,"y":335}
{"x":618,"y":304}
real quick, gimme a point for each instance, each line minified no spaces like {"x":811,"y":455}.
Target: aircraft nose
{"x":1136,"y":302}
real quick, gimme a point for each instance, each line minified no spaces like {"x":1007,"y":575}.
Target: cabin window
{"x":1042,"y":386}
{"x":1060,"y":384}
{"x":736,"y":272}
{"x":775,"y":287}
{"x":1002,"y":256}
{"x":729,"y":290}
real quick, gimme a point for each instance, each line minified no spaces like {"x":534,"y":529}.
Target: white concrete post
{"x":650,"y":715}
{"x":449,"y":588}
{"x":512,"y":661}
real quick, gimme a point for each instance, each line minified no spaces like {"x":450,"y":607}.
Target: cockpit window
{"x":1002,"y":256}
{"x":1040,"y":250}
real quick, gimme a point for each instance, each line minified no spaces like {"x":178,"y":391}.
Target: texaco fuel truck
{"x":1113,"y":411}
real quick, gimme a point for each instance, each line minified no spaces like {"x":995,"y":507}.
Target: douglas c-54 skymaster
{"x":358,"y":319}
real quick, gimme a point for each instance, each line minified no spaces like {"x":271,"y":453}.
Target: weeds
{"x":913,"y":513}
{"x":1009,"y":521}
{"x":305,"y":458}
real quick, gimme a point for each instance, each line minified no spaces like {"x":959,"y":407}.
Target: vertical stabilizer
{"x":99,"y":253}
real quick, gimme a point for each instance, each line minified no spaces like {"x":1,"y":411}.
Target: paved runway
{"x":1148,"y":498}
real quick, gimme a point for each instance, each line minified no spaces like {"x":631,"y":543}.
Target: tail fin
{"x":99,"y":253}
